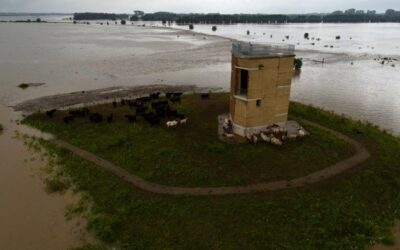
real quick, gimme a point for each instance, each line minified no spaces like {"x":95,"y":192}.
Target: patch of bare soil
{"x":99,"y":95}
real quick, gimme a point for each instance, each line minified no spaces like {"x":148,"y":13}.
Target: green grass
{"x":193,"y":155}
{"x":351,"y":211}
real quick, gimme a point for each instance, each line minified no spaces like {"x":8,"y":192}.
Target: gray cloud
{"x":205,"y":6}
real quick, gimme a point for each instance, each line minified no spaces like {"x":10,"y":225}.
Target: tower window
{"x":244,"y":82}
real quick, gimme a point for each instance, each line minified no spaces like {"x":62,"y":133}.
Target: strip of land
{"x":333,"y":170}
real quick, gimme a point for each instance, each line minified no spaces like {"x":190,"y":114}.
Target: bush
{"x":191,"y":26}
{"x":123,"y":22}
{"x":23,"y":86}
{"x":306,"y":36}
{"x":298,"y":63}
{"x":214,"y":28}
{"x":56,"y":185}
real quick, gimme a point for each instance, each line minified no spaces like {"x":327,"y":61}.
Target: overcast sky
{"x":203,"y":6}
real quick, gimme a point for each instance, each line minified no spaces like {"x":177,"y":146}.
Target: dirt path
{"x":333,"y":170}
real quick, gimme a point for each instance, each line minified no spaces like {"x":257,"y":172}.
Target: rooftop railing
{"x":260,"y":50}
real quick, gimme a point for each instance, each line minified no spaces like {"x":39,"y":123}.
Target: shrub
{"x":214,"y":28}
{"x":23,"y":86}
{"x":306,"y":36}
{"x":191,"y":26}
{"x":298,"y":63}
{"x":123,"y":22}
{"x":56,"y":185}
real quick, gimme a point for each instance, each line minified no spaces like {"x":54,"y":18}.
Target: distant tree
{"x":390,"y":12}
{"x":38,"y":20}
{"x":360,"y":12}
{"x":134,"y":18}
{"x":337,"y":12}
{"x":371,"y":12}
{"x":298,"y":63}
{"x":350,"y":12}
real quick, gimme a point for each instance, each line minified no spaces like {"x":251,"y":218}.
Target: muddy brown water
{"x":70,"y":58}
{"x":29,"y":217}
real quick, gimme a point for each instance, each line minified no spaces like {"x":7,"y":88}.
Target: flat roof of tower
{"x":249,"y":50}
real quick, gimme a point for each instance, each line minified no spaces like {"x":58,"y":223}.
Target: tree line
{"x":99,"y":16}
{"x":336,"y":17}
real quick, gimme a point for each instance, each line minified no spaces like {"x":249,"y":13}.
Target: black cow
{"x":96,"y":118}
{"x":169,"y":95}
{"x":131,"y":118}
{"x":155,"y":95}
{"x":50,"y":113}
{"x":110,"y":118}
{"x":205,"y":96}
{"x":68,"y":119}
{"x":159,"y":104}
{"x":114,"y":103}
{"x":172,"y":113}
{"x":175,"y":99}
{"x":141,"y":110}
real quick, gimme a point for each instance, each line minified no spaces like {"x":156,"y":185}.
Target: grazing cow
{"x":86,"y":111}
{"x":131,"y":118}
{"x":68,"y":119}
{"x":79,"y":113}
{"x":159,"y":104}
{"x":110,"y":118}
{"x":96,"y":118}
{"x":175,"y":99}
{"x":205,"y":96}
{"x":50,"y":113}
{"x":172,"y":113}
{"x":145,"y":99}
{"x":177,"y":94}
{"x":171,"y":124}
{"x":155,"y":95}
{"x":123,"y":102}
{"x":141,"y":110}
{"x":114,"y":103}
{"x":169,"y":95}
{"x":183,"y":121}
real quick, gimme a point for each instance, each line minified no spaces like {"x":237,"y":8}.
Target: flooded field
{"x":69,"y":58}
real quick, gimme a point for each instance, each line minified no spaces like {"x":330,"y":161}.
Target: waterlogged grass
{"x":192,"y":155}
{"x":352,"y":211}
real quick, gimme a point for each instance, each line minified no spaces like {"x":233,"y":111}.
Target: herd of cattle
{"x":151,"y":108}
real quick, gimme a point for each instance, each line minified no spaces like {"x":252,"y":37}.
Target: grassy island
{"x":351,"y":211}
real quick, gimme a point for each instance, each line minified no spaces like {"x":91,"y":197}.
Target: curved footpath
{"x":333,"y":170}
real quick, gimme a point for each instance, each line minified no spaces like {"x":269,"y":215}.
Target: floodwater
{"x":69,"y":58}
{"x":29,"y":217}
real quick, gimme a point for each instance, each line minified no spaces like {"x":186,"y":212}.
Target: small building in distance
{"x":260,"y":86}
